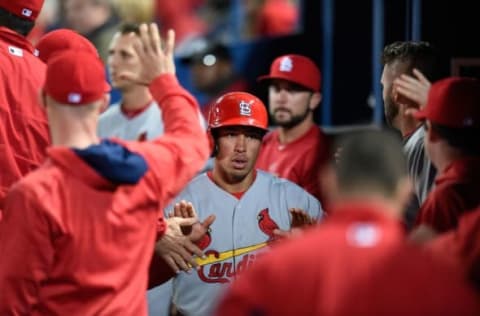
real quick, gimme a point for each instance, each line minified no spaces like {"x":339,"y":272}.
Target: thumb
{"x":208,"y":221}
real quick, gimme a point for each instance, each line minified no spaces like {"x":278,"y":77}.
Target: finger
{"x":171,"y":263}
{"x":170,"y":43}
{"x":155,"y":41}
{"x":181,"y":262}
{"x":281,"y":233}
{"x":208,"y":221}
{"x":194,"y":249}
{"x":137,"y":45}
{"x":184,"y":208}
{"x":191,"y":210}
{"x":171,"y":214}
{"x":186,"y":221}
{"x":421,"y":77}
{"x":177,"y":210}
{"x":145,"y":38}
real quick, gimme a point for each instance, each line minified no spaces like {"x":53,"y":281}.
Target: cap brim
{"x":420,"y":115}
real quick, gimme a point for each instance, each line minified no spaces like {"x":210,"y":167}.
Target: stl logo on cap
{"x":286,"y":64}
{"x":26,"y":12}
{"x":245,"y":108}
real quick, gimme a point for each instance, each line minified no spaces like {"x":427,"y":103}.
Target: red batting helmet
{"x":238,"y":108}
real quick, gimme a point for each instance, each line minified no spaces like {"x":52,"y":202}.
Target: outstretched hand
{"x":196,"y":231}
{"x":156,"y":58}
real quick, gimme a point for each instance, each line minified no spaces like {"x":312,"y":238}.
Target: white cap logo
{"x":27,"y":12}
{"x":74,"y":97}
{"x":468,"y":121}
{"x":15,"y":51}
{"x":245,"y":108}
{"x":286,"y":64}
{"x":364,"y":235}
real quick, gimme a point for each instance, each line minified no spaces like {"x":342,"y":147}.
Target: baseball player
{"x":137,"y":116}
{"x":78,"y":232}
{"x":23,"y":131}
{"x":400,"y":58}
{"x":357,"y":261}
{"x":297,"y":149}
{"x":452,"y":122}
{"x":250,"y":205}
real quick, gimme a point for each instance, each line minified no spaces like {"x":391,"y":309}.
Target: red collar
{"x":463,"y":168}
{"x":237,"y":195}
{"x":133,"y":113}
{"x":13,"y":38}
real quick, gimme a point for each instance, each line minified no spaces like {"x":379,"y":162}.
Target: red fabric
{"x":456,"y":191}
{"x":26,"y":9}
{"x":24,"y":133}
{"x":60,"y":40}
{"x":72,"y":243}
{"x":461,"y":247}
{"x":299,"y":161}
{"x":355,"y":263}
{"x":76,"y":77}
{"x":461,"y":94}
{"x":297,"y":69}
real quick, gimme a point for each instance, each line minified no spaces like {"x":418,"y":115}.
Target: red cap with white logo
{"x":297,"y":69}
{"x":26,"y":9}
{"x":75,"y":78}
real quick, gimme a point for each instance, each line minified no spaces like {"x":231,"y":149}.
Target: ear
{"x":315,"y":100}
{"x":431,"y":134}
{"x":105,"y":102}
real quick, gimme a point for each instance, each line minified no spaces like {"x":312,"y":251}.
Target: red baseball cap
{"x":297,"y":69}
{"x":26,"y":9}
{"x":62,"y":39}
{"x":75,"y":78}
{"x":453,"y":102}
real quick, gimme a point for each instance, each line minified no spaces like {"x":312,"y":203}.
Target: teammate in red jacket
{"x":78,"y":233}
{"x":452,"y":121}
{"x":23,"y":131}
{"x":356,"y":262}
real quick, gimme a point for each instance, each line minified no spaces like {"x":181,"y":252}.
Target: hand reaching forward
{"x":176,"y":249}
{"x":156,"y":58}
{"x":300,"y":220}
{"x":196,"y":231}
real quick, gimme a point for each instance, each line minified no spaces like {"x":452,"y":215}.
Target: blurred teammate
{"x":24,"y":130}
{"x":78,"y":232}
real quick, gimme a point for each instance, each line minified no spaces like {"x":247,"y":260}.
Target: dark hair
{"x":127,"y":28}
{"x":371,"y":160}
{"x":465,"y":139}
{"x":15,"y":23}
{"x":420,"y":55}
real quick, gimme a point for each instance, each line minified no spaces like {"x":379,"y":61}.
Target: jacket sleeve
{"x":175,"y":157}
{"x":26,"y":252}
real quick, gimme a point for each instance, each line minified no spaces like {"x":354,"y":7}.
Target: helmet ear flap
{"x":212,"y":144}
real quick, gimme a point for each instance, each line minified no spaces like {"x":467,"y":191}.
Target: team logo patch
{"x":364,"y":235}
{"x":286,"y":64}
{"x":245,"y":108}
{"x":74,"y":97}
{"x":15,"y":51}
{"x":27,"y":12}
{"x":267,"y":224}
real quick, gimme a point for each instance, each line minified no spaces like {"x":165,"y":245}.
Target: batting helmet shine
{"x":238,"y":108}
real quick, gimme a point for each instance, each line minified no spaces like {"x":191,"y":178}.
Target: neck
{"x":384,"y":205}
{"x":136,"y":98}
{"x":71,"y":131}
{"x":288,"y":135}
{"x":230,"y":184}
{"x":447,"y":156}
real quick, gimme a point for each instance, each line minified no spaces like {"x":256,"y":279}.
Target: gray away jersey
{"x":146,"y":125}
{"x":243,"y":229}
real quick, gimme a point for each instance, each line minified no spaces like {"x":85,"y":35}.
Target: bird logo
{"x":267,"y":224}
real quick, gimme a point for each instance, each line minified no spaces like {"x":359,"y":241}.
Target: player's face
{"x":238,"y":149}
{"x":289,"y":103}
{"x":390,"y":73}
{"x":122,"y":58}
